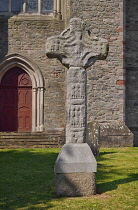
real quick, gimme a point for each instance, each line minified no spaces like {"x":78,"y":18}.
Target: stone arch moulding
{"x":38,"y":87}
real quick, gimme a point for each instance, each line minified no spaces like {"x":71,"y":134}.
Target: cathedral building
{"x":33,"y":87}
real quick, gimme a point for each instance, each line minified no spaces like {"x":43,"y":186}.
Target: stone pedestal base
{"x":75,"y":184}
{"x":75,"y":170}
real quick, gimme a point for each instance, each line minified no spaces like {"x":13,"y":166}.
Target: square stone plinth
{"x":75,"y":171}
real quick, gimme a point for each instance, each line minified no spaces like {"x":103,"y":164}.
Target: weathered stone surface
{"x":76,"y":105}
{"x":77,"y":49}
{"x":105,"y":99}
{"x":76,"y":46}
{"x":75,"y":158}
{"x":49,"y":139}
{"x":108,"y":135}
{"x":26,"y":35}
{"x":93,"y":137}
{"x":75,"y":184}
{"x":75,"y":170}
{"x":115,"y":135}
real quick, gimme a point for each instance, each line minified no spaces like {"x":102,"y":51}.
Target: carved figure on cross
{"x":76,"y":46}
{"x":77,"y":49}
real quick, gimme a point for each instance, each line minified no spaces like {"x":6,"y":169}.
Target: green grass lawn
{"x":27,"y":180}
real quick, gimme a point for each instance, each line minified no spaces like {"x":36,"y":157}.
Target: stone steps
{"x":13,"y":140}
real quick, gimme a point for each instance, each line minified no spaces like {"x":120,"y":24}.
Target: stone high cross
{"x":77,"y":49}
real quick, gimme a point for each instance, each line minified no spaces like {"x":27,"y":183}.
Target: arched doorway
{"x":16,"y":101}
{"x":38,"y":86}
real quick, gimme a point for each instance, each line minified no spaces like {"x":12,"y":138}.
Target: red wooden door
{"x":16,"y":101}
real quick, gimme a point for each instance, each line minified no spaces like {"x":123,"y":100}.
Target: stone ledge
{"x":115,"y":135}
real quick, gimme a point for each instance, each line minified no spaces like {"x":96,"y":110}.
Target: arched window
{"x":26,"y":6}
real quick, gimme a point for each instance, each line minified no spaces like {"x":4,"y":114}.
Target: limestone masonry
{"x":112,"y":90}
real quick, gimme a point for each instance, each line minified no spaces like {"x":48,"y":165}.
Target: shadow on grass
{"x":108,"y":169}
{"x":106,"y":153}
{"x":109,"y":186}
{"x":26,"y":178}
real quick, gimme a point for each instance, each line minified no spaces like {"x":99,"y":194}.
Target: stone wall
{"x":131,"y":48}
{"x":108,"y":102}
{"x":26,"y":36}
{"x":105,"y":89}
{"x":106,"y":79}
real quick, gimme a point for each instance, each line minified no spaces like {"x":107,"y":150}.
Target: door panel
{"x":24,"y":109}
{"x":16,"y":101}
{"x":8,"y":106}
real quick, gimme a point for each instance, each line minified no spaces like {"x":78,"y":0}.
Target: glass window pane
{"x":17,"y":6}
{"x":32,"y":5}
{"x":47,"y":5}
{"x":4,"y":5}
